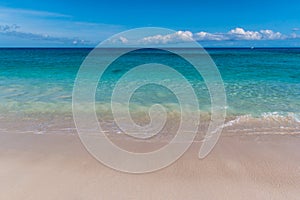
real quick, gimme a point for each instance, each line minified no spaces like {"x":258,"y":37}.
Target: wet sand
{"x":56,"y":166}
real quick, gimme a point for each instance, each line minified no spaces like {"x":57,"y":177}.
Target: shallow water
{"x":262,"y":88}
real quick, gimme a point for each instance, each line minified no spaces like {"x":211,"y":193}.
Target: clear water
{"x":258,"y":82}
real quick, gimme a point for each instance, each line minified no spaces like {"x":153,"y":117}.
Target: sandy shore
{"x":54,"y":166}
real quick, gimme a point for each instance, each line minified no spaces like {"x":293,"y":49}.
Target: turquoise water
{"x":258,"y":82}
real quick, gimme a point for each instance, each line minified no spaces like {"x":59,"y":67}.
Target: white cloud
{"x":271,"y":35}
{"x":123,"y":39}
{"x":179,"y":36}
{"x":118,"y":40}
{"x":237,"y":34}
{"x":209,"y":36}
{"x":295,"y":36}
{"x":241,"y":34}
{"x":14,"y":31}
{"x":8,"y":28}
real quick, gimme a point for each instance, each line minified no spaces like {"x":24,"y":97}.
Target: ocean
{"x":262,"y":87}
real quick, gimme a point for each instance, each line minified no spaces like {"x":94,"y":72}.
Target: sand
{"x":57,"y":166}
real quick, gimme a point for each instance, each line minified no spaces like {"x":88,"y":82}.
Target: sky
{"x":213,"y":23}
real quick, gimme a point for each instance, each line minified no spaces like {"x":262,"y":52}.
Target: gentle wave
{"x":267,"y":123}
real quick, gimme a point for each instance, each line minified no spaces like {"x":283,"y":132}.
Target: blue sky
{"x":212,"y":23}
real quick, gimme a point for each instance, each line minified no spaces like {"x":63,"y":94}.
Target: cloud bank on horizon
{"x":236,"y":34}
{"x":21,"y":27}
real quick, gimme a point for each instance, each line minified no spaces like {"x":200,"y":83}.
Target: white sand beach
{"x":55,"y":166}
